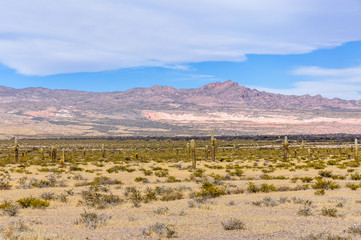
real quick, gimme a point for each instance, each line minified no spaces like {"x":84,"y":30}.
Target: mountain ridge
{"x":226,"y":107}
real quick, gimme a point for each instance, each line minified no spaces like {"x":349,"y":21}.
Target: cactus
{"x":193,"y":154}
{"x":213,"y":147}
{"x":42,"y":153}
{"x":303,"y":144}
{"x":16,"y":153}
{"x":285,"y":149}
{"x":188,"y":150}
{"x":103,"y":151}
{"x":53,"y":153}
{"x":356,"y":149}
{"x":63,"y":159}
{"x":206,"y":152}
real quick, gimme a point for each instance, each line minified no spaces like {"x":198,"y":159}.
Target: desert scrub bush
{"x":325,"y":184}
{"x":297,"y":200}
{"x":320,"y":192}
{"x":304,"y":211}
{"x":8,"y":208}
{"x":233,"y":224}
{"x":104,"y":181}
{"x":306,"y":179}
{"x":252,"y":188}
{"x":141,"y":179}
{"x":171,"y":196}
{"x":269,"y":202}
{"x":356,"y":176}
{"x":324,"y":173}
{"x":147,"y":172}
{"x":214,"y":166}
{"x":95,"y":197}
{"x":329,"y":212}
{"x":199,"y":173}
{"x":172,"y":179}
{"x":353,"y":186}
{"x":237,"y":172}
{"x":117,"y":168}
{"x":338,"y":176}
{"x":75,"y":168}
{"x":15,"y":230}
{"x":149,"y":195}
{"x":162,"y":173}
{"x":324,"y":236}
{"x":161,"y":210}
{"x":54,"y":170}
{"x":33,"y":202}
{"x":160,"y":230}
{"x":340,"y":204}
{"x":355,"y":229}
{"x":209,"y":190}
{"x":4,"y":183}
{"x":52,"y":180}
{"x":134,"y":196}
{"x":267,"y":188}
{"x":47,"y":195}
{"x":92,"y":220}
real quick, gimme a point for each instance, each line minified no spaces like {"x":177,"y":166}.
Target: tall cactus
{"x":53,"y":153}
{"x":188,"y":150}
{"x":206,"y":152}
{"x":16,"y":150}
{"x":213,"y":147}
{"x":193,"y":154}
{"x":103,"y":151}
{"x":42,"y":153}
{"x":285,"y":149}
{"x":356,"y":149}
{"x":63,"y":159}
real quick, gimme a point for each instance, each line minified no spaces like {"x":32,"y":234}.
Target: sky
{"x":281,"y":46}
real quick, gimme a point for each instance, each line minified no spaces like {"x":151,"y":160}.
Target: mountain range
{"x":228,"y":108}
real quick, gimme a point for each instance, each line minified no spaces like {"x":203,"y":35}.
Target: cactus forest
{"x":185,"y":188}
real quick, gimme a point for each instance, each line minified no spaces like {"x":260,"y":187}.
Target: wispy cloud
{"x":314,"y":71}
{"x":344,"y":83}
{"x":62,"y":36}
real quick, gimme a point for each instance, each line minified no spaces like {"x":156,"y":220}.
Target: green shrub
{"x":140,"y":179}
{"x":8,"y":208}
{"x":356,"y":176}
{"x":325,"y":184}
{"x":325,"y":173}
{"x":329,"y":212}
{"x":267,"y":188}
{"x":252,"y":188}
{"x":353,"y":186}
{"x":210,"y":190}
{"x":172,"y":179}
{"x":33,"y":202}
{"x":320,"y":192}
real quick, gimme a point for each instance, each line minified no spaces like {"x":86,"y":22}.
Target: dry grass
{"x":145,"y":190}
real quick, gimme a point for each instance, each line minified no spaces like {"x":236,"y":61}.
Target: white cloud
{"x":344,"y":83}
{"x":41,"y":37}
{"x":314,"y":71}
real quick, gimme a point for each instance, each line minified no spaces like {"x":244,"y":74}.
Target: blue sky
{"x":284,"y":46}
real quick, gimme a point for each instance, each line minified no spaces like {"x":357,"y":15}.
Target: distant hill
{"x":228,"y":108}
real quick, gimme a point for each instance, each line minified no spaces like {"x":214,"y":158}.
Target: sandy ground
{"x":201,"y":222}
